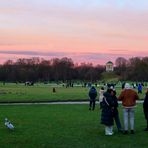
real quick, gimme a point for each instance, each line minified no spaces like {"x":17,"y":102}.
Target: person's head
{"x":112,"y":87}
{"x":102,"y":88}
{"x":93,"y":88}
{"x":113,"y":92}
{"x":147,"y":89}
{"x":127,"y":86}
{"x":109,"y":90}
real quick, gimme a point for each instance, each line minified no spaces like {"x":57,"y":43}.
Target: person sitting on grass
{"x":145,"y":108}
{"x":92,"y":98}
{"x":107,"y":106}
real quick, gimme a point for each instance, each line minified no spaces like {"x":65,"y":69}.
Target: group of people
{"x":109,"y":107}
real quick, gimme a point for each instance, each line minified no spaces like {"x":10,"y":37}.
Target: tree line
{"x":134,"y":69}
{"x":64,"y":69}
{"x":41,"y":70}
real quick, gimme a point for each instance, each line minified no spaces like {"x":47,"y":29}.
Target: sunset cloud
{"x":77,"y":57}
{"x":106,"y":28}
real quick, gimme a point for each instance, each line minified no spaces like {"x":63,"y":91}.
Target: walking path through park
{"x":51,"y":103}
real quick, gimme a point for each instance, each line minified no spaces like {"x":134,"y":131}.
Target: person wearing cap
{"x":145,"y":108}
{"x":128,"y":97}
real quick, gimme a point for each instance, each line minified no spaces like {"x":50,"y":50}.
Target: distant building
{"x":109,"y":66}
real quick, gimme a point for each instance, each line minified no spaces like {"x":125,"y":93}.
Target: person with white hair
{"x":128,"y":97}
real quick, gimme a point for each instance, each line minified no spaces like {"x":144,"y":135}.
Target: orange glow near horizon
{"x":79,"y":29}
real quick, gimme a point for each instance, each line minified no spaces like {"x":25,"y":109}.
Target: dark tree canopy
{"x":64,"y":69}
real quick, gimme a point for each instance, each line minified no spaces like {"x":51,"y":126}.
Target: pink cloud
{"x":77,"y":57}
{"x":107,"y":30}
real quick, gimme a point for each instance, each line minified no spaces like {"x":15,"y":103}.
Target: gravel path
{"x":51,"y":103}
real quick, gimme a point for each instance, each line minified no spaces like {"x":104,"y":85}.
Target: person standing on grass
{"x":107,"y":107}
{"x":115,"y":111}
{"x":145,"y":108}
{"x":101,"y":92}
{"x":139,"y":88}
{"x":128,"y":97}
{"x":92,"y":98}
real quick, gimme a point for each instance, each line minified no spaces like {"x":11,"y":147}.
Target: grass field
{"x":65,"y":126}
{"x":41,"y":92}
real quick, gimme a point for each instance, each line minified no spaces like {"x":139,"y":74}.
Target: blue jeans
{"x":128,"y":113}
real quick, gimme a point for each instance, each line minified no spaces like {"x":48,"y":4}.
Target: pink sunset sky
{"x":85,"y":30}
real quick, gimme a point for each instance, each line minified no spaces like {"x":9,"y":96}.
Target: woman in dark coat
{"x":107,"y":106}
{"x":145,"y":108}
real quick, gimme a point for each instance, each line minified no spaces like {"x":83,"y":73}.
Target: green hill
{"x":109,"y":77}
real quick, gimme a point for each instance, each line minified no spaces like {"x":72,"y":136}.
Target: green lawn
{"x":41,"y":92}
{"x":65,"y":126}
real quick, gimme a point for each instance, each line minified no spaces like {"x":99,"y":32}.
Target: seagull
{"x":8,"y":124}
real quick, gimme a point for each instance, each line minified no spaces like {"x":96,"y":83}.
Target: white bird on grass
{"x":8,"y":124}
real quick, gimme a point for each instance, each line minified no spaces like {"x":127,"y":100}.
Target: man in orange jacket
{"x":128,"y":97}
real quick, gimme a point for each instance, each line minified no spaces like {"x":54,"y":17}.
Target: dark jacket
{"x":107,"y":109}
{"x":115,"y":99}
{"x":93,"y":93}
{"x":145,"y":103}
{"x":145,"y":106}
{"x":139,"y":87}
{"x":115,"y":110}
